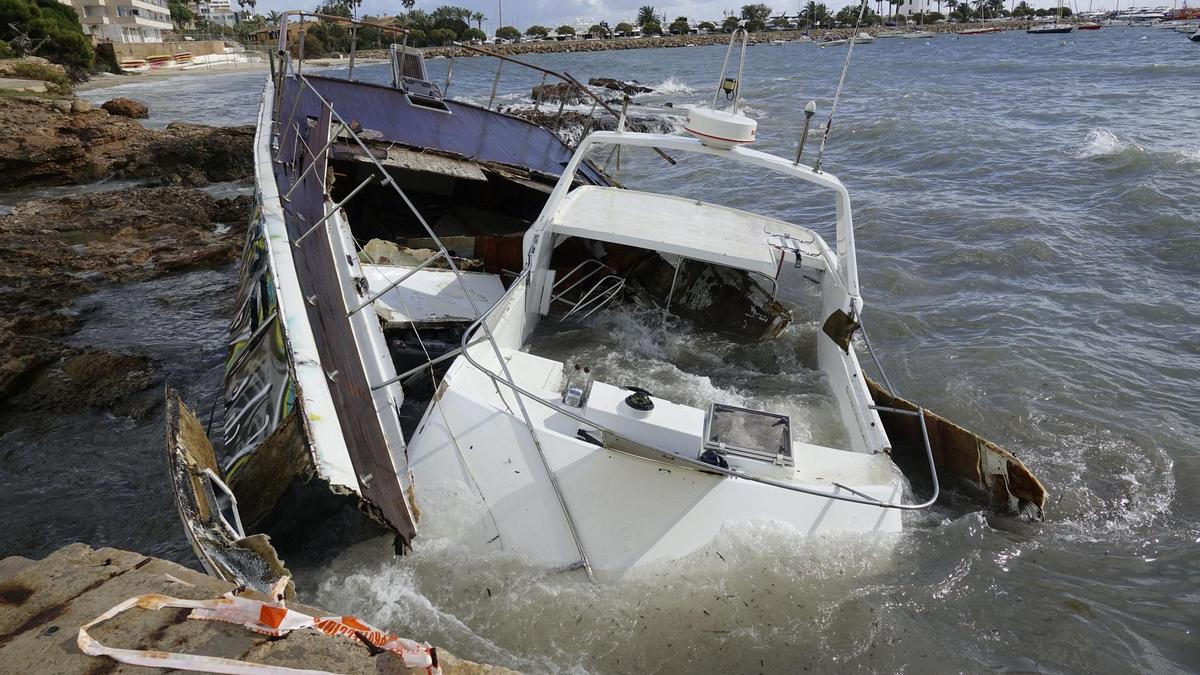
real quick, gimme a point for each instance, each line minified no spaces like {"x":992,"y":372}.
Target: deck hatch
{"x":753,"y":434}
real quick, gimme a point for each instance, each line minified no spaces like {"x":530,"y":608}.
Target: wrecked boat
{"x":404,"y":249}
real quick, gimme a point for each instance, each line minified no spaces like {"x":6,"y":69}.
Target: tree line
{"x":46,"y":28}
{"x":450,"y":23}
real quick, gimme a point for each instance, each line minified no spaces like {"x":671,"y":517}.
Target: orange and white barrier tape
{"x":260,"y":617}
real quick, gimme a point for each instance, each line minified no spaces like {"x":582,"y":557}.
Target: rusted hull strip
{"x":962,"y":454}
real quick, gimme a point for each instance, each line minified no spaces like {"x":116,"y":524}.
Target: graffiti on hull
{"x":259,"y":388}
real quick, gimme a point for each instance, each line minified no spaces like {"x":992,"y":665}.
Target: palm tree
{"x":814,"y":14}
{"x":273,"y":17}
{"x":478,"y":18}
{"x":646,"y":15}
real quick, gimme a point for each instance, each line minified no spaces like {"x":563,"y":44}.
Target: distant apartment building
{"x":123,"y":20}
{"x":910,"y":7}
{"x":218,"y":12}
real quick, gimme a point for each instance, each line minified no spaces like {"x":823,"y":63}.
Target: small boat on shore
{"x":981,"y":31}
{"x":134,"y":65}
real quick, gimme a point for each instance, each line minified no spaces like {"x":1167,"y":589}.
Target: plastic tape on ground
{"x":260,"y":617}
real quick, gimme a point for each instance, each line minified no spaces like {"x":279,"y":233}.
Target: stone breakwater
{"x":670,"y":41}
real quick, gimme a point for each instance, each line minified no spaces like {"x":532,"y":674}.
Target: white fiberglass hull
{"x":472,"y":457}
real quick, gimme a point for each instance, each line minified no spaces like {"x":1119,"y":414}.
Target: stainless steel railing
{"x":442,"y":253}
{"x":693,"y":463}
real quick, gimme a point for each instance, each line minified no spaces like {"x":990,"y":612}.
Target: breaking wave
{"x":1164,"y":69}
{"x":671,"y":86}
{"x":1103,"y":143}
{"x":1190,"y":155}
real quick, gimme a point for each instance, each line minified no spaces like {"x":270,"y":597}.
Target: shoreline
{"x":107,"y":80}
{"x":675,"y":41}
{"x":374,"y":56}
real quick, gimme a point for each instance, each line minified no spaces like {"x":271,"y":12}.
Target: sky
{"x":524,"y":13}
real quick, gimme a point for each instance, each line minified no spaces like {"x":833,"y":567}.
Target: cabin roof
{"x":686,"y":227}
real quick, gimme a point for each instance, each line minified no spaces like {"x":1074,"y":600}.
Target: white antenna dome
{"x":720,"y":128}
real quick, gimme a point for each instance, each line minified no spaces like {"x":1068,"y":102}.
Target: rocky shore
{"x":68,"y":141}
{"x":57,"y":249}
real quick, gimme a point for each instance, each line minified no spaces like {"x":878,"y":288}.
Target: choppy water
{"x":1028,"y":238}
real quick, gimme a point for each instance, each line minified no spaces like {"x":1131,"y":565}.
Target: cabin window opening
{"x":586,"y":273}
{"x":480,"y":216}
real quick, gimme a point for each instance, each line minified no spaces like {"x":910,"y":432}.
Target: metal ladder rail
{"x":555,"y":297}
{"x":602,"y":297}
{"x":696,"y":463}
{"x":559,"y":297}
{"x":445,"y":254}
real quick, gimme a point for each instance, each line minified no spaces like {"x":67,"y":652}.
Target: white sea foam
{"x":1190,"y":155}
{"x":1103,"y":143}
{"x":758,"y":587}
{"x":672,"y":86}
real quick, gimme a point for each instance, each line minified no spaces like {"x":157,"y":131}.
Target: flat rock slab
{"x":43,"y":603}
{"x":34,"y":86}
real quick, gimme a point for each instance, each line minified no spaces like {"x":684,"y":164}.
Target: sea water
{"x":1028,"y":236}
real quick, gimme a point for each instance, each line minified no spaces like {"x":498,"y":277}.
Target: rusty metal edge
{"x":1005,"y":478}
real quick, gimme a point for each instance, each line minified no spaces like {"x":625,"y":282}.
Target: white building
{"x":215,"y":11}
{"x":582,"y":25}
{"x":911,"y":7}
{"x":124,"y":20}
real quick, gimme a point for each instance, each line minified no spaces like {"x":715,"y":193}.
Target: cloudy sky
{"x":523,"y":13}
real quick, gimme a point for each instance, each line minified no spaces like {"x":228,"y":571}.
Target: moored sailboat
{"x":1052,"y":28}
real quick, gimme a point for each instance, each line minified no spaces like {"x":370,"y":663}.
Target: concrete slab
{"x":32,"y":86}
{"x":43,"y":603}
